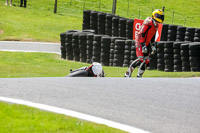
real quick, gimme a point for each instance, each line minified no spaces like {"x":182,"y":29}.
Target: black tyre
{"x":168,"y":50}
{"x":177,"y":56}
{"x":184,"y":52}
{"x":195,"y":69}
{"x":185,"y":69}
{"x":160,"y":45}
{"x":168,"y":56}
{"x":194,"y":52}
{"x":185,"y":46}
{"x":194,"y":46}
{"x":176,"y":51}
{"x":160,"y":55}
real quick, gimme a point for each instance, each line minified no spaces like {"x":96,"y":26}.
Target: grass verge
{"x":23,"y":119}
{"x":18,"y":64}
{"x":37,"y":22}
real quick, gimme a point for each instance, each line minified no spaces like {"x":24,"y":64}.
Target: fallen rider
{"x":94,"y":70}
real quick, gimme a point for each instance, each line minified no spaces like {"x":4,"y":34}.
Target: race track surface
{"x":158,"y":105}
{"x":30,"y":46}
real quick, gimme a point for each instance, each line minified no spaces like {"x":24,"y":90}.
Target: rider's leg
{"x":133,"y":65}
{"x":141,"y":69}
{"x":143,"y":66}
{"x":136,"y":62}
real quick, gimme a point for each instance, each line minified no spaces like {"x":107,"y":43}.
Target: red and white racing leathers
{"x":144,"y":37}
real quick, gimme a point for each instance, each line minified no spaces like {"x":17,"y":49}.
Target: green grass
{"x":37,"y":22}
{"x":34,"y":24}
{"x":16,"y":118}
{"x":17,"y":64}
{"x":22,"y":119}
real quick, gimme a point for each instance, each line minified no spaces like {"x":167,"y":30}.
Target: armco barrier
{"x":111,"y":44}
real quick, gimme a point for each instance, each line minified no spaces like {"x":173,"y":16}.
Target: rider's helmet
{"x":97,"y":69}
{"x":158,"y":15}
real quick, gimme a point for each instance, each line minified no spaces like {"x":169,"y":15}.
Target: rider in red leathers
{"x":94,"y":70}
{"x":144,"y":38}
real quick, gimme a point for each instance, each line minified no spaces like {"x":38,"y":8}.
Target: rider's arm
{"x":144,"y":31}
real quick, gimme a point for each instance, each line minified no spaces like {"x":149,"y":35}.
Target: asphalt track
{"x":158,"y":105}
{"x":30,"y":46}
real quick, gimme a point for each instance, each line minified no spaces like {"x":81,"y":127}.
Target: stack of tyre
{"x":108,"y":25}
{"x":118,"y":52}
{"x":93,"y":21}
{"x":75,"y":46}
{"x":153,"y":62}
{"x":105,"y":50}
{"x":194,"y":56}
{"x":62,"y":47}
{"x":122,"y":27}
{"x":197,"y":35}
{"x":180,"y":36}
{"x":177,"y":56}
{"x":115,"y":26}
{"x":101,"y":23}
{"x":86,"y":19}
{"x":89,"y":49}
{"x":127,"y":51}
{"x":83,"y":46}
{"x":164,"y":33}
{"x":133,"y":52}
{"x":129,"y":28}
{"x":172,"y":29}
{"x":68,"y":45}
{"x":160,"y":56}
{"x":112,"y":49}
{"x":189,"y":34}
{"x":185,"y":57}
{"x":112,"y":46}
{"x":96,"y":54}
{"x":168,"y":56}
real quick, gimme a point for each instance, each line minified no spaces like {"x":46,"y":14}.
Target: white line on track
{"x":10,"y":42}
{"x":29,"y":51}
{"x":75,"y":114}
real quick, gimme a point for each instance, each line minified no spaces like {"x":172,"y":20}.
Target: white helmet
{"x":97,"y":68}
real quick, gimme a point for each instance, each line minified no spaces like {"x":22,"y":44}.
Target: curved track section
{"x":158,"y":105}
{"x":30,"y":47}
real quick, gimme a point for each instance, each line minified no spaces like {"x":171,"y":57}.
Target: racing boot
{"x":128,"y":72}
{"x":141,"y":69}
{"x":140,"y":73}
{"x":144,"y":49}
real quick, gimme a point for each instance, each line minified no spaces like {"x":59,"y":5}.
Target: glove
{"x":153,"y":48}
{"x":154,"y":44}
{"x":144,"y":48}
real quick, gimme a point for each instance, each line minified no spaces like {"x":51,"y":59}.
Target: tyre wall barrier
{"x":116,"y":26}
{"x":86,"y":46}
{"x":107,"y":39}
{"x":107,"y":24}
{"x":180,"y":33}
{"x":62,"y":47}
